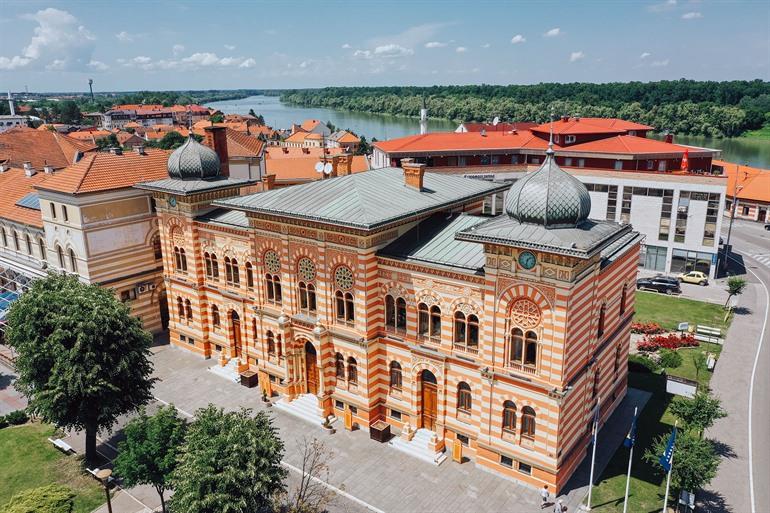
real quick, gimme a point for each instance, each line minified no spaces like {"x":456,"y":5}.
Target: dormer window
{"x":569,"y":139}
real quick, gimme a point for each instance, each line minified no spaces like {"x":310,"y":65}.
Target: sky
{"x":219,"y":44}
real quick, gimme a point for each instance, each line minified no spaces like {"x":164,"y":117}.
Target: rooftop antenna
{"x":495,"y":122}
{"x":550,"y":151}
{"x":91,"y":87}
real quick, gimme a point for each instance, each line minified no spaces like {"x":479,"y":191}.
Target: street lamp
{"x":737,"y":189}
{"x":103,"y":475}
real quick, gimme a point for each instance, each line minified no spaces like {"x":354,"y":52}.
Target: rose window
{"x":525,"y":313}
{"x":343,"y":277}
{"x":272,"y":262}
{"x":306,"y":269}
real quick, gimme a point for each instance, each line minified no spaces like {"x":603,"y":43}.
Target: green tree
{"x":695,"y":460}
{"x":699,"y":413}
{"x":735,"y":287}
{"x":172,"y":141}
{"x":670,"y":359}
{"x":82,"y":358}
{"x":217,"y":118}
{"x":111,"y":141}
{"x":230,"y":462}
{"x":69,"y":112}
{"x":149,"y":452}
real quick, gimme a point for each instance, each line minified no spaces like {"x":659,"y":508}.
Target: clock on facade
{"x":172,"y":202}
{"x":527,"y":259}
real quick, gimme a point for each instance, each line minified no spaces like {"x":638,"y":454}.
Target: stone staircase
{"x":304,"y":406}
{"x":419,"y":447}
{"x":229,"y":371}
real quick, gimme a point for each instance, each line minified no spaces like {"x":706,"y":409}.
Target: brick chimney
{"x":28,"y":169}
{"x":48,"y":169}
{"x":268,"y":182}
{"x":139,"y":149}
{"x":413,"y":173}
{"x":669,"y":138}
{"x":342,"y":163}
{"x":216,"y":139}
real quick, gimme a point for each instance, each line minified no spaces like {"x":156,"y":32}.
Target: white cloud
{"x":230,"y":47}
{"x":58,"y":42}
{"x":660,"y":64}
{"x":645,"y":55}
{"x":98,"y":65}
{"x":435,"y":44}
{"x":346,"y":46}
{"x":486,"y":45}
{"x":362,"y":54}
{"x":125,"y":37}
{"x":693,"y":15}
{"x":518,"y":38}
{"x":389,"y":51}
{"x":409,"y":38}
{"x":576,"y":56}
{"x":461,"y":49}
{"x":553,"y":32}
{"x":666,"y":5}
{"x":195,"y":61}
{"x":177,"y":49}
{"x":248,"y":63}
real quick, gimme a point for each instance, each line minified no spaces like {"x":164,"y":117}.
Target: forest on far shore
{"x":715,"y":109}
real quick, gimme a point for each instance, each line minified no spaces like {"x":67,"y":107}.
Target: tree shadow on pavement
{"x":709,"y":501}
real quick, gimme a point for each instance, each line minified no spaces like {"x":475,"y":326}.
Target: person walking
{"x":559,"y":507}
{"x":545,"y":496}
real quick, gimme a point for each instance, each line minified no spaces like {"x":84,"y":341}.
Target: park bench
{"x":708,"y":334}
{"x":62,"y":445}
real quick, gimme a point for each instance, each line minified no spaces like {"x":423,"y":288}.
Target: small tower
{"x":423,"y":118}
{"x":10,"y":104}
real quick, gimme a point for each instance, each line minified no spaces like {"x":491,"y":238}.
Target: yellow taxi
{"x":696,"y":277}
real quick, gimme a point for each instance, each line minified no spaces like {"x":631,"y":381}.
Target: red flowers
{"x":646,"y":328}
{"x":670,"y":341}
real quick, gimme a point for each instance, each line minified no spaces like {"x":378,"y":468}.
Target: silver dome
{"x":193,"y":161}
{"x":550,"y":197}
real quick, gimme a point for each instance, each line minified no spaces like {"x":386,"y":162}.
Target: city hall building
{"x":388,"y":297}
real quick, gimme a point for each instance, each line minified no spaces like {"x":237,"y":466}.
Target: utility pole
{"x":732,"y":216}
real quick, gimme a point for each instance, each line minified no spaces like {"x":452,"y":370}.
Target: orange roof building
{"x":40,"y":148}
{"x":295,"y":170}
{"x":750,"y":188}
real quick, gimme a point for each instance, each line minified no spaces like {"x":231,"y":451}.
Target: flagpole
{"x":593,"y":454}
{"x":668,"y":478}
{"x":628,"y":477}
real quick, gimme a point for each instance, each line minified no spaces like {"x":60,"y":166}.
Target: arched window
{"x":279,"y":346}
{"x":214,"y":267}
{"x":180,"y":259}
{"x":273,"y":285}
{"x":345,"y":309}
{"x":4,"y":236}
{"x":618,"y":352}
{"x":395,"y":375}
{"x":401,"y":314}
{"x":60,"y":255}
{"x":73,"y":261}
{"x":352,"y":371}
{"x":180,"y":307}
{"x":270,"y":343}
{"x":29,"y":244}
{"x":530,"y":352}
{"x":157,"y":250}
{"x":464,"y":399}
{"x":597,"y":379}
{"x":528,"y":422}
{"x":466,"y":332}
{"x":207,"y":261}
{"x":215,"y":320}
{"x":517,"y":346}
{"x":249,"y":275}
{"x":41,"y":247}
{"x":602,"y":313}
{"x":390,"y":311}
{"x":435,"y":322}
{"x":307,"y":300}
{"x":188,"y":309}
{"x":509,"y":416}
{"x":339,"y":366}
{"x":232,"y":272}
{"x":623,"y":294}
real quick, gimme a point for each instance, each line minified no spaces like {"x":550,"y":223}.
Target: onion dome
{"x":193,"y":161}
{"x":550,"y":197}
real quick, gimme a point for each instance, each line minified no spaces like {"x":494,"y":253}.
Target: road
{"x":742,"y":381}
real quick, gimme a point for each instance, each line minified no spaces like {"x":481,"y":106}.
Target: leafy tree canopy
{"x":230,"y":463}
{"x":82,"y":359}
{"x":695,"y":460}
{"x":108,"y":142}
{"x":698,"y":413}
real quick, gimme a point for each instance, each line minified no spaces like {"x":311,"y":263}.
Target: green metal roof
{"x":225,"y":217}
{"x":365,"y":200}
{"x":433,"y":241}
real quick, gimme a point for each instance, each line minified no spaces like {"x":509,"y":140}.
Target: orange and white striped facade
{"x":527,"y":418}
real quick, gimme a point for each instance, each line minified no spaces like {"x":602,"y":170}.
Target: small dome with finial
{"x":193,"y":161}
{"x":550,"y":197}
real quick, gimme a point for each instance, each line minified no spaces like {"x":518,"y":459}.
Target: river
{"x":743,"y":150}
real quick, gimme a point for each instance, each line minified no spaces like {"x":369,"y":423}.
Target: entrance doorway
{"x":163,"y":306}
{"x":429,"y":394}
{"x":235,"y":321}
{"x":311,"y":369}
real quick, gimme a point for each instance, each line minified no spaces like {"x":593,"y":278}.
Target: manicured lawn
{"x":647,"y":485}
{"x":29,"y":460}
{"x":669,"y":311}
{"x":687,"y":369}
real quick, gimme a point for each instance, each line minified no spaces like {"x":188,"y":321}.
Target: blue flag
{"x":595,"y":422}
{"x":668,"y":454}
{"x":631,"y":436}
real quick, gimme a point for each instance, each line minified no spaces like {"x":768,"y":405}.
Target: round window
{"x":272,"y":261}
{"x":343,"y":277}
{"x":306,"y":269}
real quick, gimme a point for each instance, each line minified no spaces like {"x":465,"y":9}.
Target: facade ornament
{"x":319,"y":328}
{"x":283,"y":319}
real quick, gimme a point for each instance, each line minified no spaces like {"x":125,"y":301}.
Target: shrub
{"x":670,"y":341}
{"x":45,"y":499}
{"x":646,"y":328}
{"x":3,"y":422}
{"x":641,"y":363}
{"x":16,"y":418}
{"x":670,"y":359}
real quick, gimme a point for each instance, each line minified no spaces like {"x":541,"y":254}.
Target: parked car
{"x":696,"y":277}
{"x":670,"y":279}
{"x":659,"y":284}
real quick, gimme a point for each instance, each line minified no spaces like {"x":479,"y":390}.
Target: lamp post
{"x":732,"y":216}
{"x":104,"y":476}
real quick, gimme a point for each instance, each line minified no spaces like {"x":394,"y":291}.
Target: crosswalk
{"x":763,"y":259}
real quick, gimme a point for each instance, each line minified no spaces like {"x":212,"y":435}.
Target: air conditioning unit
{"x":151,"y":286}
{"x":141,"y":289}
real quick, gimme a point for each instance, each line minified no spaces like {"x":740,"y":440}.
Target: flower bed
{"x":670,"y":341}
{"x":646,"y":328}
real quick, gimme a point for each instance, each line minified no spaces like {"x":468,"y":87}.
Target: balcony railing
{"x":466,"y":349}
{"x":520,"y":367}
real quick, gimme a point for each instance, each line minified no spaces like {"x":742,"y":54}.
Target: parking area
{"x":714,"y":292}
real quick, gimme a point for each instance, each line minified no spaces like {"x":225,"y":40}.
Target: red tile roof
{"x":40,"y":147}
{"x":300,"y":169}
{"x":310,"y":124}
{"x":104,"y":171}
{"x":500,"y":127}
{"x":15,"y":185}
{"x":754,"y":182}
{"x":242,"y":145}
{"x":575,"y":127}
{"x":628,"y":144}
{"x":285,"y":152}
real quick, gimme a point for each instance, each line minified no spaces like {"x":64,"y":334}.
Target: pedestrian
{"x":559,"y":507}
{"x":545,"y":496}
